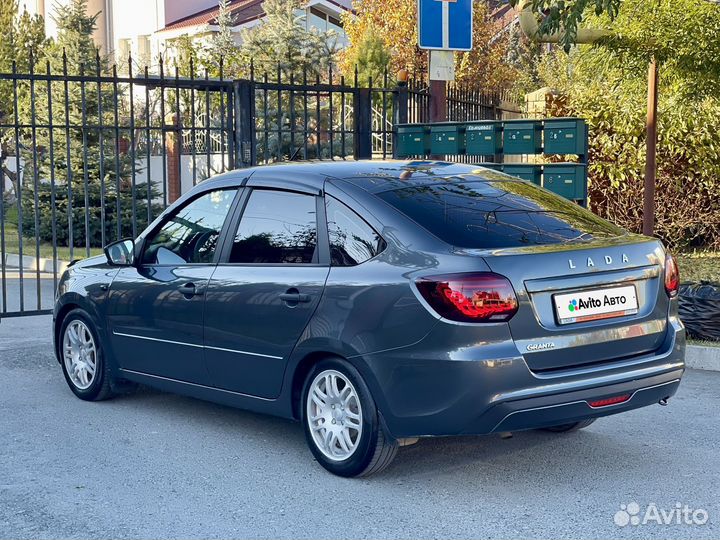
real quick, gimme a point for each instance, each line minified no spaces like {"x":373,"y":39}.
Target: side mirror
{"x":121,"y":253}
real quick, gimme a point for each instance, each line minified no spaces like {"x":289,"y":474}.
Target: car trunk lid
{"x":548,"y":336}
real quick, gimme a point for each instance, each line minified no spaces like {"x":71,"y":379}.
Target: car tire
{"x":86,"y":370}
{"x":355,"y":442}
{"x":568,"y":428}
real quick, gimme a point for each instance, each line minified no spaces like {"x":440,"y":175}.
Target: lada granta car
{"x":379,"y":302}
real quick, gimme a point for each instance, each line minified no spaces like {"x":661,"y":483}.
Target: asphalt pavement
{"x":155,"y":465}
{"x":38,"y":291}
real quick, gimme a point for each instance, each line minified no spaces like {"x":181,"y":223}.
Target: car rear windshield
{"x":476,"y":214}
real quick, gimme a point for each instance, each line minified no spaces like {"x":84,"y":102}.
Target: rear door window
{"x":352,"y":240}
{"x":494,"y":214}
{"x":276,"y":227}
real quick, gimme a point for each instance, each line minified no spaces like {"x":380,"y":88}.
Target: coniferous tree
{"x":23,"y":38}
{"x":81,"y":169}
{"x":370,"y":57}
{"x":282,"y":42}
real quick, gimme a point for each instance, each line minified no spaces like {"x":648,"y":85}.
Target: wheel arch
{"x":303,"y":367}
{"x":60,"y":315}
{"x":310,"y":359}
{"x":68,"y":303}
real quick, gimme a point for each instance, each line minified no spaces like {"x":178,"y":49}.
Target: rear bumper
{"x":487,"y":387}
{"x":571,"y":407}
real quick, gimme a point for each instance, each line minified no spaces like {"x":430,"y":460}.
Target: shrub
{"x":687,"y":192}
{"x":93,"y":209}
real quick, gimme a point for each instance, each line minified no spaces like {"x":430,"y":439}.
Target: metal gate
{"x":93,"y":156}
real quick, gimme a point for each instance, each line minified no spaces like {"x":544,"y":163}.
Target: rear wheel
{"x":341,"y":421}
{"x":82,"y":360}
{"x":574,"y":426}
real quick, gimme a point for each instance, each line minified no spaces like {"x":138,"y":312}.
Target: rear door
{"x":266,"y":288}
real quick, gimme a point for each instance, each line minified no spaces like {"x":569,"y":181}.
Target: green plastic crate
{"x":522,"y":137}
{"x":413,"y":140}
{"x":484,"y":138}
{"x":447,"y":139}
{"x":565,"y":136}
{"x":527,"y":172}
{"x":568,"y":180}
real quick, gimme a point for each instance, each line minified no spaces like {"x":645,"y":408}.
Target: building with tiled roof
{"x":142,"y":28}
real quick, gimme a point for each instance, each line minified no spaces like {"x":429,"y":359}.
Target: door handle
{"x":189,"y":289}
{"x":292,"y":296}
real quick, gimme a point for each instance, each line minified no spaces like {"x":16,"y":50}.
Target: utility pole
{"x":651,"y":157}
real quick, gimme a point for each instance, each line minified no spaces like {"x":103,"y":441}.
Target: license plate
{"x":595,"y":305}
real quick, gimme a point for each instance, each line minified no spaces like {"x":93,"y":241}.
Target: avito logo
{"x":578,"y":304}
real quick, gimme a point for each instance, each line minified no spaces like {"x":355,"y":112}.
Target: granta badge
{"x":541,"y":346}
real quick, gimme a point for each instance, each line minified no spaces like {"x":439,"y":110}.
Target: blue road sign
{"x":445,"y":24}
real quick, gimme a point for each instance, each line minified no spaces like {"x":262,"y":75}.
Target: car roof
{"x":372,"y":176}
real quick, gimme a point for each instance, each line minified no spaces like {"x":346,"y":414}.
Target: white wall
{"x":186,"y":170}
{"x":132,"y":18}
{"x":156,"y":171}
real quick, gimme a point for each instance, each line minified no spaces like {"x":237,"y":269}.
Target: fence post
{"x":400,"y":112}
{"x":362,"y":111}
{"x":244,"y":142}
{"x":173,"y":144}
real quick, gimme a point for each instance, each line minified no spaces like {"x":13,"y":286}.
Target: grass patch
{"x":12,"y":243}
{"x":699,"y":266}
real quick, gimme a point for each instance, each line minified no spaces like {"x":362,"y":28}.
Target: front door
{"x":155,"y":309}
{"x":263,"y":294}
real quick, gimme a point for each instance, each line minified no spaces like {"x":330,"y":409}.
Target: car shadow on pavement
{"x":526,"y":453}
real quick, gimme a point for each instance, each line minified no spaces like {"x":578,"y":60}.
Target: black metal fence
{"x":93,"y":155}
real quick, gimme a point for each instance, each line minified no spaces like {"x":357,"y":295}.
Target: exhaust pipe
{"x":664,"y":401}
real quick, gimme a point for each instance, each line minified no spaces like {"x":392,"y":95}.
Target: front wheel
{"x":81,"y":356}
{"x":341,"y":421}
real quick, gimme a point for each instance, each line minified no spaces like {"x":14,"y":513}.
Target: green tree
{"x":282,"y":42}
{"x":370,"y":57}
{"x":606,"y":84}
{"x":84,"y":169}
{"x":23,"y":38}
{"x":223,"y":43}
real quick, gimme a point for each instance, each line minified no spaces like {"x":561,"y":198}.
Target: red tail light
{"x":483,"y":297}
{"x":609,"y":401}
{"x":672,"y":276}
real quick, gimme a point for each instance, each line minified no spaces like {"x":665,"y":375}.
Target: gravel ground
{"x":154,"y":465}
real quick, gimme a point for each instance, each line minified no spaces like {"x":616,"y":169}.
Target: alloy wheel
{"x":79,"y":354}
{"x":334,"y":415}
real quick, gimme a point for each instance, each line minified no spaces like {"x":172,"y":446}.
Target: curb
{"x":12,"y":260}
{"x":699,"y":357}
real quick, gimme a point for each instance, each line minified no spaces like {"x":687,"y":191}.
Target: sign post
{"x":444,"y":26}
